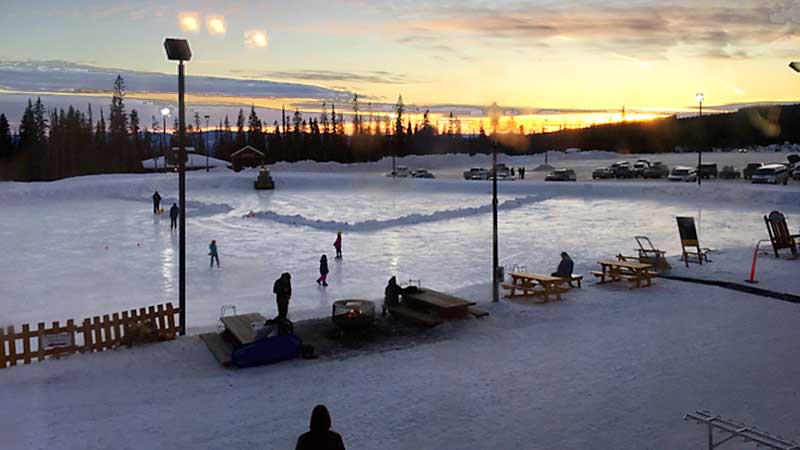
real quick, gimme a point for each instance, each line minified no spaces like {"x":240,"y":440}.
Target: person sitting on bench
{"x":564,"y":267}
{"x":391,"y":295}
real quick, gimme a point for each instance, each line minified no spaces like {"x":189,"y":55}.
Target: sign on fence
{"x":57,"y":340}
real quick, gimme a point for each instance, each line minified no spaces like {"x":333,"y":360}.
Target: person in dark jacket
{"x":283,"y":292}
{"x":337,"y":244}
{"x":564,"y":267}
{"x":174,"y":212}
{"x":323,"y":270}
{"x":320,"y":436}
{"x":156,"y":202}
{"x":391,"y":295}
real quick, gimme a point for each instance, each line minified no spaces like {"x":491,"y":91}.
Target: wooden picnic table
{"x":443,"y":305}
{"x":243,"y":327}
{"x":529,"y":282}
{"x":635,"y":273}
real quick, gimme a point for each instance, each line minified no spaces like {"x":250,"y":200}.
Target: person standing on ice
{"x":283,"y":292}
{"x":337,"y":244}
{"x":212,"y":251}
{"x":323,"y":271}
{"x":174,"y":212}
{"x":320,"y":436}
{"x":564,"y":267}
{"x":156,"y":203}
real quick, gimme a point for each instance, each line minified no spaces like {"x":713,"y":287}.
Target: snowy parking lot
{"x":607,"y":368}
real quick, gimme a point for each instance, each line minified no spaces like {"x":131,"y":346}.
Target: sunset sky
{"x":588,"y":56}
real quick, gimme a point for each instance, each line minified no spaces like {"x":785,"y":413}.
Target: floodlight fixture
{"x":795,"y":65}
{"x":177,"y":49}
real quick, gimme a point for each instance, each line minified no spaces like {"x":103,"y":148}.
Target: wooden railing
{"x":93,"y":335}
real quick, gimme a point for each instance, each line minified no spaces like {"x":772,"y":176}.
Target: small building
{"x":247,"y":156}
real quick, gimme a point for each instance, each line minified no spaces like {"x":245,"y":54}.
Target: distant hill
{"x":761,"y":125}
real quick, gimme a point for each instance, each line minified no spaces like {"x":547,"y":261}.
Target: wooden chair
{"x":690,"y":244}
{"x":648,"y":254}
{"x":779,"y":233}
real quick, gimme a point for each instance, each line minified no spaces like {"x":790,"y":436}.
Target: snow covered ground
{"x":607,"y":368}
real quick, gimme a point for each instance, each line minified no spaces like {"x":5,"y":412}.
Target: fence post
{"x":2,"y":349}
{"x":12,"y":346}
{"x":109,"y":340}
{"x":40,"y":347}
{"x":98,"y":335}
{"x":87,"y":335}
{"x":72,"y":348}
{"x":26,"y":343}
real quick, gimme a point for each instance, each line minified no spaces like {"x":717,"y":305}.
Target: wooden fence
{"x":93,"y":335}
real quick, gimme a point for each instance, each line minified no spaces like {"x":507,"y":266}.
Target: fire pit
{"x":353,"y":314}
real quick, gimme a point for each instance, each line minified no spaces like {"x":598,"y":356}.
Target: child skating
{"x":212,"y":252}
{"x":337,"y":244}
{"x":323,"y":271}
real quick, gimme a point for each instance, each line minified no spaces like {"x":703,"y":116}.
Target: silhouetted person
{"x":283,"y":292}
{"x":521,"y":173}
{"x":156,"y":202}
{"x":323,"y":270}
{"x":391,"y":295}
{"x":564,"y":267}
{"x":320,"y":436}
{"x":337,"y":244}
{"x":174,"y":212}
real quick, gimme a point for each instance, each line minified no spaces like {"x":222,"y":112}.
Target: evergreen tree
{"x":122,"y":158}
{"x":135,"y":130}
{"x":297,"y":119}
{"x":399,"y":109}
{"x":241,"y":137}
{"x":324,"y":119}
{"x":27,"y":128}
{"x":255,"y":137}
{"x":5,"y":138}
{"x":100,"y":132}
{"x":356,"y":118}
{"x":41,"y":122}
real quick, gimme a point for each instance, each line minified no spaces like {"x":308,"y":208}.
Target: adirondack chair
{"x":779,"y":233}
{"x":648,"y":254}
{"x":690,"y":244}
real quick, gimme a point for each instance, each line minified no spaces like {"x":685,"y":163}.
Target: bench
{"x":574,"y":278}
{"x":405,"y":312}
{"x":221,"y":349}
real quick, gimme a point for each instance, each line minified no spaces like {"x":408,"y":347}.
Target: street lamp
{"x":206,"y":116}
{"x":164,"y":113}
{"x":178,"y":50}
{"x":495,"y":113}
{"x":699,"y":97}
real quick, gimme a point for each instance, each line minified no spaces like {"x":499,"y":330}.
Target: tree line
{"x":62,"y":143}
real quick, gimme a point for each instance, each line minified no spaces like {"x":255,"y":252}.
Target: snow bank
{"x":410,"y":219}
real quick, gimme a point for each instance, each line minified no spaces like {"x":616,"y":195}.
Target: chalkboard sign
{"x":686,"y":229}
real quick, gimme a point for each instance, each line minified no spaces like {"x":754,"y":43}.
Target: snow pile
{"x":375,"y":225}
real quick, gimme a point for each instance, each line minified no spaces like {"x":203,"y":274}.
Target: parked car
{"x":624,"y":171}
{"x":729,"y":173}
{"x":400,"y":172}
{"x":640,"y":166}
{"x":772,"y":174}
{"x":681,"y":173}
{"x":657,"y":170}
{"x":476,"y":173}
{"x":561,"y":175}
{"x":422,"y":173}
{"x":503,"y":172}
{"x":751,"y":168}
{"x":602,"y":173}
{"x":708,"y":170}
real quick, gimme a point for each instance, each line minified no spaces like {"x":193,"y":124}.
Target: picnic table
{"x":443,"y":305}
{"x":536,"y":285}
{"x":638,"y":274}
{"x":243,"y":327}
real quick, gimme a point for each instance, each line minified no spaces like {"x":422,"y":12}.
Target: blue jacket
{"x":213,"y":249}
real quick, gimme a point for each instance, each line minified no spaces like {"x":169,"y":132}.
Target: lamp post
{"x":206,"y":116}
{"x":494,"y":114}
{"x":699,"y":97}
{"x":164,"y":113}
{"x":178,"y":50}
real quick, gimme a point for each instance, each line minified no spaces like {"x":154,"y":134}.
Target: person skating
{"x":212,"y":251}
{"x":320,"y":436}
{"x":156,"y":203}
{"x":337,"y":244}
{"x":174,"y":212}
{"x":283,"y":292}
{"x":564,"y":267}
{"x":521,"y":173}
{"x":323,"y":270}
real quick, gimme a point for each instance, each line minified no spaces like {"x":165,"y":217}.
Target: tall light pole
{"x":165,"y":113}
{"x":178,"y":50}
{"x":700,"y":97}
{"x":206,"y":116}
{"x":494,"y":114}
